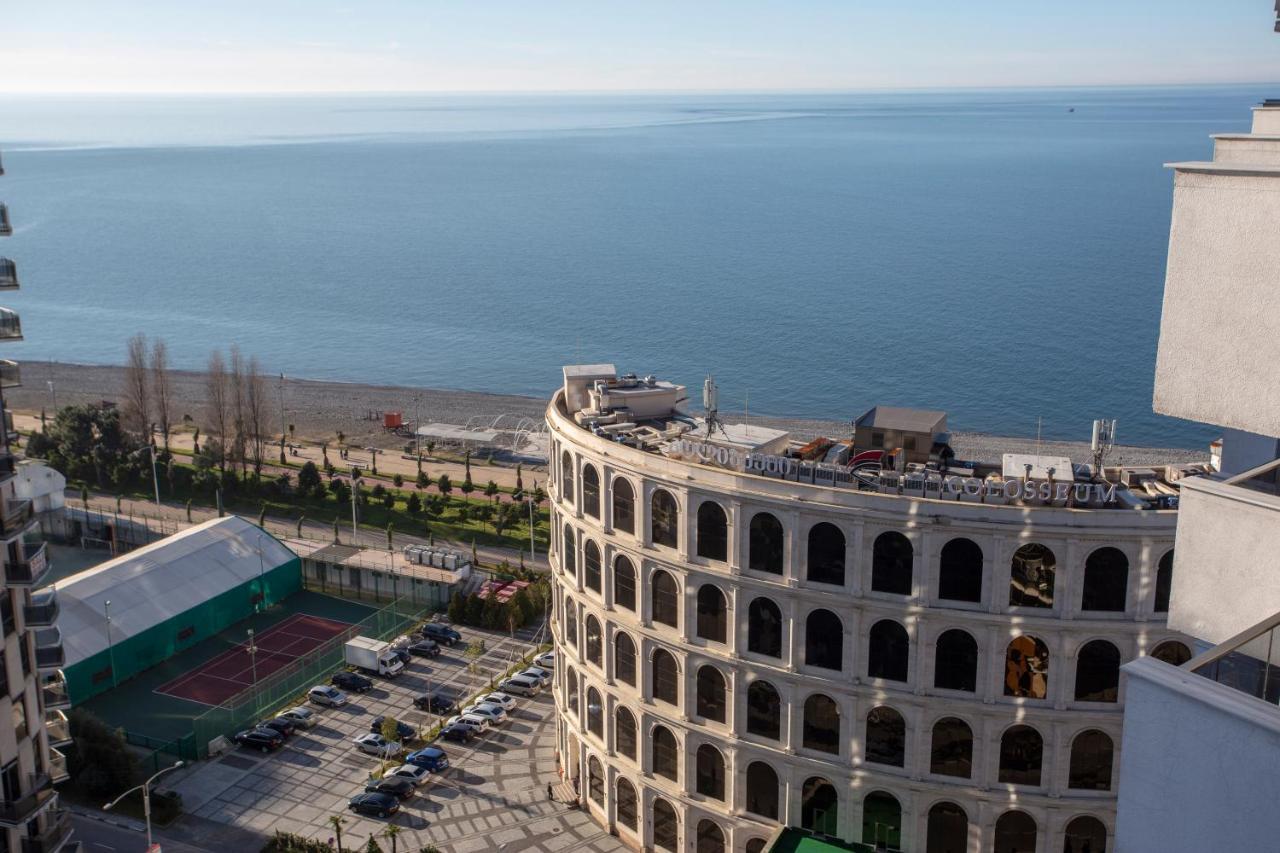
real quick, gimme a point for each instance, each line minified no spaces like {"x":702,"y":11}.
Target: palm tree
{"x":337,"y":820}
{"x":392,"y":830}
{"x":390,"y":531}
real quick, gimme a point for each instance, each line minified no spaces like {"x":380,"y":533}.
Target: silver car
{"x":324,"y":694}
{"x":544,"y":676}
{"x":522,"y":685}
{"x":302,"y":717}
{"x":489,"y":711}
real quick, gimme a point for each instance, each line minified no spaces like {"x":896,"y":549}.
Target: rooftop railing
{"x":1248,"y":662}
{"x":40,"y":796}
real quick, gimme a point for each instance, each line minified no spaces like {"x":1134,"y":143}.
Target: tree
{"x":492,"y":616}
{"x":444,"y":484}
{"x":341,"y":492}
{"x":398,"y":480}
{"x":475,"y":610}
{"x":262,"y":516}
{"x":464,"y":511}
{"x":137,"y":388}
{"x":390,"y":728}
{"x":466,"y":461}
{"x":255,"y":407}
{"x":301,"y":519}
{"x":239,"y":412}
{"x":309,"y":482}
{"x":336,"y":538}
{"x":503,"y":519}
{"x":100,"y":761}
{"x":491,"y":490}
{"x":423,"y":479}
{"x":372,"y":846}
{"x":413,"y":504}
{"x":519,"y":479}
{"x":431,"y":446}
{"x":217,"y":398}
{"x":89,"y":444}
{"x":475,"y":651}
{"x":467,"y":486}
{"x":392,"y":830}
{"x":336,"y":821}
{"x":522,"y":602}
{"x":484,"y":513}
{"x":457,"y":609}
{"x":188,"y":511}
{"x":161,"y":389}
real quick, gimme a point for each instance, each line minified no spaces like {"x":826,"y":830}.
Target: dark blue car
{"x":374,"y":804}
{"x":404,"y":731}
{"x":432,"y":758}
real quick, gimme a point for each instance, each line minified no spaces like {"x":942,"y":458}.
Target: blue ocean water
{"x":997,"y":254}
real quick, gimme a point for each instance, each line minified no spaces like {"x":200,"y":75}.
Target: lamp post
{"x":145,"y":787}
{"x":155,"y":480}
{"x":252,"y":648}
{"x":111,"y":651}
{"x":355,"y":487}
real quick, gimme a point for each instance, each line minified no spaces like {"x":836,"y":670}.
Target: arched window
{"x":1106,"y":581}
{"x":824,"y":640}
{"x":569,"y":554}
{"x":571,"y":624}
{"x":624,"y":506}
{"x":665,"y":599}
{"x":882,"y":821}
{"x":1021,"y":754}
{"x":1015,"y":833}
{"x":1085,"y":833}
{"x":1098,"y":672}
{"x":1031,"y":577}
{"x":947,"y":830}
{"x":594,"y":641}
{"x":711,"y":694}
{"x":826,"y":554}
{"x":955,"y":661}
{"x":1172,"y":652}
{"x":764,"y":710}
{"x":666,"y":677}
{"x":1164,"y":582}
{"x":624,"y":732}
{"x":886,"y":737}
{"x":595,"y":781}
{"x":762,"y":790}
{"x":624,"y":658}
{"x":821,"y":724}
{"x":710,"y":772}
{"x":764,"y":628}
{"x":755,"y":845}
{"x":765,"y":548}
{"x":951,"y":752}
{"x":664,"y":520}
{"x":713,"y":532}
{"x":666,"y":754}
{"x":710,"y":837}
{"x":891,"y":556}
{"x":960,"y":571}
{"x":889,"y":651}
{"x":591,"y":491}
{"x":566,"y":476}
{"x":571,"y":691}
{"x":624,"y":583}
{"x":819,"y":806}
{"x":591,"y":565}
{"x":628,"y":813}
{"x":1026,"y":668}
{"x":1092,"y":754}
{"x":666,"y":826}
{"x":713,"y":614}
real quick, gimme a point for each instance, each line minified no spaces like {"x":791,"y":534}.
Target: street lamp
{"x":111,"y":651}
{"x":252,"y":649}
{"x":155,"y":479}
{"x":145,"y":787}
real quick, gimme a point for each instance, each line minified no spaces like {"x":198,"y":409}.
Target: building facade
{"x":737,"y":653}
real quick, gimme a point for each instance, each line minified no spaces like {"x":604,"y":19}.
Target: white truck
{"x":374,"y":656}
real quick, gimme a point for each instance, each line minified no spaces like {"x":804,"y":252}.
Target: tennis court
{"x":222,"y":677}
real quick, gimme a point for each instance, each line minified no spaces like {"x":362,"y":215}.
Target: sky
{"x":265,"y":46}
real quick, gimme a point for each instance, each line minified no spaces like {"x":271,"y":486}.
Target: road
{"x":98,"y":837}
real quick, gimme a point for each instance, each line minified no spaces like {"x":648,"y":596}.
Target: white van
{"x":521,"y":685}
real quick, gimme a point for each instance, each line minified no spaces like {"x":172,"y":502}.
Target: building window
{"x":20,"y":716}
{"x":666,"y":677}
{"x":947,"y":829}
{"x":765,"y":546}
{"x":571,"y":691}
{"x":1086,"y":833}
{"x":624,"y":658}
{"x":882,"y":821}
{"x":713,"y":532}
{"x":762,"y":790}
{"x":710,"y":837}
{"x":624,"y":733}
{"x":1015,"y":831}
{"x":595,"y":781}
{"x":764,"y":710}
{"x":711,"y":694}
{"x":886,"y":741}
{"x":594,"y":641}
{"x":568,"y":554}
{"x":1106,"y":581}
{"x":624,"y":583}
{"x":821,"y":724}
{"x":624,"y":506}
{"x":826,"y":554}
{"x":755,"y":845}
{"x":819,"y":806}
{"x":666,"y":827}
{"x":713,"y":615}
{"x":955,"y":662}
{"x":566,"y":476}
{"x":1031,"y":577}
{"x":1172,"y":652}
{"x":595,"y":713}
{"x":6,"y":612}
{"x":891,"y":557}
{"x":764,"y":628}
{"x":664,"y":522}
{"x":591,"y":565}
{"x":889,"y":651}
{"x":666,"y":754}
{"x":665,"y":599}
{"x":1164,"y":582}
{"x":1021,"y":755}
{"x":1026,"y":668}
{"x":590,"y":491}
{"x":1098,"y":672}
{"x":960,"y":571}
{"x":1092,"y":754}
{"x":710,"y":774}
{"x":951,"y":752}
{"x":824,"y":640}
{"x":627,"y":813}
{"x":571,"y":624}
{"x":877,"y":439}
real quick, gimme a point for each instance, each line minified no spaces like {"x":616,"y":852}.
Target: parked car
{"x":436,"y":703}
{"x":376,"y":744}
{"x":283,"y":725}
{"x":415,"y":774}
{"x":260,"y":739}
{"x":302,"y":717}
{"x":401,"y":789}
{"x":404,"y":731}
{"x":352,"y":681}
{"x":479,"y":725}
{"x":543,"y":675}
{"x":546,"y":660}
{"x":442,"y":634}
{"x":402,"y":654}
{"x":330,"y":697}
{"x":374,"y":804}
{"x":492,"y":713}
{"x":458,"y":734}
{"x":433,"y":758}
{"x":426,"y":648}
{"x":502,"y":700}
{"x":522,"y":685}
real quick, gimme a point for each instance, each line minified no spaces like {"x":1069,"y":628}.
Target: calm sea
{"x":996,"y":254}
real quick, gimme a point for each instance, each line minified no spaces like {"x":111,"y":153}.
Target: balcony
{"x":42,"y":612}
{"x":10,"y":325}
{"x":39,"y":797}
{"x":50,"y":655}
{"x":58,"y":727}
{"x":28,"y":572}
{"x":10,"y":373}
{"x":54,"y":692}
{"x":8,"y":274}
{"x":58,"y":767}
{"x":50,"y":839}
{"x":5,"y":228}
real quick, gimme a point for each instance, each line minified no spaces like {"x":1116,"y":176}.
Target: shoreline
{"x":318,"y":409}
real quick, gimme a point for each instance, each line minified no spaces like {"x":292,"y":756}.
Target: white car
{"x":324,"y":694}
{"x":415,"y":774}
{"x":543,"y":675}
{"x":377,"y":745}
{"x":493,"y":713}
{"x":301,"y":716}
{"x":502,"y":700}
{"x":479,"y":724}
{"x":546,"y":660}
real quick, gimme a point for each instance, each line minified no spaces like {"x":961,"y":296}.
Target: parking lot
{"x":493,"y":796}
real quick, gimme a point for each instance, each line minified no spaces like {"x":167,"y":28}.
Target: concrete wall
{"x":1197,"y":767}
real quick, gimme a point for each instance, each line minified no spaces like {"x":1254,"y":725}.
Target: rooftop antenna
{"x":710,"y":402}
{"x":1104,"y":438}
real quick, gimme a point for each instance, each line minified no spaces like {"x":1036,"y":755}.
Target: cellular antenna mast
{"x":1104,"y":438}
{"x":711,"y":403}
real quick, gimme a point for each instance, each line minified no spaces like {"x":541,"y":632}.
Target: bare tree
{"x":238,"y":414}
{"x":161,"y":388}
{"x":137,"y":388}
{"x":219,"y":404}
{"x":256,"y":404}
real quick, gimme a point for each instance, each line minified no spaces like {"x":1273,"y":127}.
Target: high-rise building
{"x":32,"y":696}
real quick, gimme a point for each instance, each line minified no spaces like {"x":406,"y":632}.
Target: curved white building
{"x":742,"y":651}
